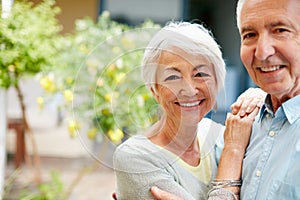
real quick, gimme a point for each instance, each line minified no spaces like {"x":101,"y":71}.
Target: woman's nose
{"x":264,"y":47}
{"x":189,"y":88}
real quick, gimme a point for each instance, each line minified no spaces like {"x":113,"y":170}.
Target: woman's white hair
{"x":191,"y":38}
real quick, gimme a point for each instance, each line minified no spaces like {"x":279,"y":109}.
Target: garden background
{"x":74,"y":67}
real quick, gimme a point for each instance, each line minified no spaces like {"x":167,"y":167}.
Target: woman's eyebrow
{"x":178,"y":70}
{"x":199,"y":67}
{"x":172,"y":69}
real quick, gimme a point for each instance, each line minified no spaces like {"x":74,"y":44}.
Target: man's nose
{"x":264,"y":47}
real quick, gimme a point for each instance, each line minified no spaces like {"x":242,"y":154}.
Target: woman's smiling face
{"x":185,"y":86}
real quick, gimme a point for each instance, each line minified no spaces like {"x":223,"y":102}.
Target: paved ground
{"x":58,"y":151}
{"x":95,"y":185}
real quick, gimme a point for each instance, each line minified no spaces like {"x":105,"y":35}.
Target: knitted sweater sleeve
{"x":136,"y":171}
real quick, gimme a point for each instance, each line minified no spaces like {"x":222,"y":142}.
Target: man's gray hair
{"x":239,"y":7}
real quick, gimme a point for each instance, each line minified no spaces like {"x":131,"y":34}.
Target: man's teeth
{"x":270,"y":69}
{"x":190,"y":104}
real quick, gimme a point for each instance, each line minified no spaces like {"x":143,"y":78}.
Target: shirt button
{"x":271,"y":133}
{"x":258,"y":173}
{"x":268,"y":116}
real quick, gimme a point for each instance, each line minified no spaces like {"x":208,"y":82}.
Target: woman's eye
{"x":201,"y":74}
{"x":172,"y":77}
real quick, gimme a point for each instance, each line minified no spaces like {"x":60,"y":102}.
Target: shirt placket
{"x":274,"y":124}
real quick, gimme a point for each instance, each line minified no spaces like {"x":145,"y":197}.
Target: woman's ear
{"x":154,"y":93}
{"x":215,"y":108}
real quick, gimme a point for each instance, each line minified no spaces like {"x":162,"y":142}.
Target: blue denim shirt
{"x":271,"y":167}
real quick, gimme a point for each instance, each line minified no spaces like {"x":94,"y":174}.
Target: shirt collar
{"x":266,"y":108}
{"x":291,"y":108}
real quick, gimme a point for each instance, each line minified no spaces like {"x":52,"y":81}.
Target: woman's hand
{"x":236,"y":138}
{"x":238,"y":129}
{"x":248,"y":101}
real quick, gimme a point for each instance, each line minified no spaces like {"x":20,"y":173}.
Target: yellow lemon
{"x":116,"y":136}
{"x":111,"y":70}
{"x":92,"y":133}
{"x":146,"y":96}
{"x":47,"y":84}
{"x":105,"y":111}
{"x":120,"y":77}
{"x":72,"y":127}
{"x":68,"y":94}
{"x":40,"y":102}
{"x":52,"y":88}
{"x":69,"y":80}
{"x":107,"y":97}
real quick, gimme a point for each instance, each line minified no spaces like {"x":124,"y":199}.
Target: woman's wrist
{"x":235,"y":152}
{"x":229,"y":172}
{"x":230,"y":165}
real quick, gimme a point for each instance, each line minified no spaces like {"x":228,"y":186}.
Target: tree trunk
{"x":35,"y":162}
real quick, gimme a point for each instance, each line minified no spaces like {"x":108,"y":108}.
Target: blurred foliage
{"x":29,"y":44}
{"x":98,"y":75}
{"x":51,"y":190}
{"x":29,"y":40}
{"x":96,"y":69}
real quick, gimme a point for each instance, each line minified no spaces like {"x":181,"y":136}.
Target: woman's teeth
{"x":190,"y":104}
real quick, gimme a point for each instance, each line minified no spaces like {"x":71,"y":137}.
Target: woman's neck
{"x":180,"y":140}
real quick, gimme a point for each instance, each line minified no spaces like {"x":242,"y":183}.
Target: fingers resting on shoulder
{"x":248,"y":101}
{"x":238,"y":129}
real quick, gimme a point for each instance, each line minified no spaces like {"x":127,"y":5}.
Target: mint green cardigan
{"x":140,"y":164}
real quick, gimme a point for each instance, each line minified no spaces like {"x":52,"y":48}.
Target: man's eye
{"x":172,"y":77}
{"x":201,"y":74}
{"x":248,"y":36}
{"x":280,"y":30}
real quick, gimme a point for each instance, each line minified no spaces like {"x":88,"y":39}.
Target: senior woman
{"x":184,"y":69}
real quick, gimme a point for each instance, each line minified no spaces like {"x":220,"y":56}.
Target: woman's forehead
{"x":176,"y":55}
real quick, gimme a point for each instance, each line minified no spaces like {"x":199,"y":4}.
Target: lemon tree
{"x":28,"y":40}
{"x":98,"y":74}
{"x":29,"y":44}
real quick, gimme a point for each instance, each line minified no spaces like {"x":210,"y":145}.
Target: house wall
{"x":136,"y":11}
{"x":75,"y":9}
